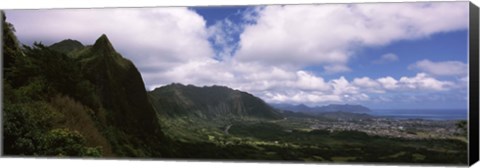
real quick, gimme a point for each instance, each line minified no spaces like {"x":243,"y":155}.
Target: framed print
{"x":360,"y":83}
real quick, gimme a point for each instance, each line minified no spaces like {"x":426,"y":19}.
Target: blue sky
{"x":438,"y":47}
{"x":218,"y":14}
{"x":395,"y":55}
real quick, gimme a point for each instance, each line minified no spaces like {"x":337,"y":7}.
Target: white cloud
{"x":307,"y":81}
{"x":302,"y":35}
{"x":365,"y":82}
{"x":386,"y":58}
{"x":194,"y":72}
{"x":368,"y":85}
{"x":361,"y":89}
{"x":445,"y":68}
{"x":222,"y":33}
{"x":388,"y":82}
{"x":418,"y":83}
{"x":421,"y":82}
{"x":171,"y":45}
{"x":155,"y":39}
{"x":308,"y":98}
{"x":343,"y":86}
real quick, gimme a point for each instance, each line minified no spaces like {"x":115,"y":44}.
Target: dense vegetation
{"x":67,"y":46}
{"x":41,"y":111}
{"x":209,"y":102}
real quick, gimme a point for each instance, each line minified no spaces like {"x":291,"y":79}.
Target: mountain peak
{"x":66,"y":46}
{"x":103,"y":45}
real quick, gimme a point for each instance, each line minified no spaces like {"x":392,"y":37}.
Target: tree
{"x":10,"y":45}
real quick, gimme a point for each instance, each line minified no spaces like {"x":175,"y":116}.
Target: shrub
{"x":24,"y":125}
{"x":63,"y":142}
{"x":76,"y":116}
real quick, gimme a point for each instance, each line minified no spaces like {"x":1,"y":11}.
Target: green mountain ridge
{"x":209,"y":102}
{"x":67,"y":46}
{"x":120,"y":85}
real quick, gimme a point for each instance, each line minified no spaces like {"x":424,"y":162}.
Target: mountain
{"x":209,"y":102}
{"x":293,"y":108}
{"x":67,"y":46}
{"x":323,"y":109}
{"x":119,"y":85}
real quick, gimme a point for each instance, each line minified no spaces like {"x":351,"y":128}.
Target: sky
{"x":381,"y":55}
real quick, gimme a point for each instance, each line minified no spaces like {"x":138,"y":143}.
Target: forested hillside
{"x":74,"y":100}
{"x":213,"y":102}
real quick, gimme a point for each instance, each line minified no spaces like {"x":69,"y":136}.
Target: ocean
{"x":427,"y":114}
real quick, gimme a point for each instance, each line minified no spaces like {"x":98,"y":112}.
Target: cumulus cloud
{"x":369,"y":85}
{"x":443,"y":68}
{"x":209,"y":72}
{"x":306,"y":81}
{"x":365,"y":82}
{"x":419,"y":82}
{"x":222,"y":34}
{"x":386,"y":58}
{"x":423,"y":81}
{"x":388,"y":82}
{"x":275,"y":45}
{"x":302,"y":35}
{"x":358,"y":90}
{"x":155,"y":39}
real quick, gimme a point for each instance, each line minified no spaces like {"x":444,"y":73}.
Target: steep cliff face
{"x":209,"y":102}
{"x":119,"y":86}
{"x":67,"y":46}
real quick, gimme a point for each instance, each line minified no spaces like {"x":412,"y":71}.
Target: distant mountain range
{"x":323,"y":109}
